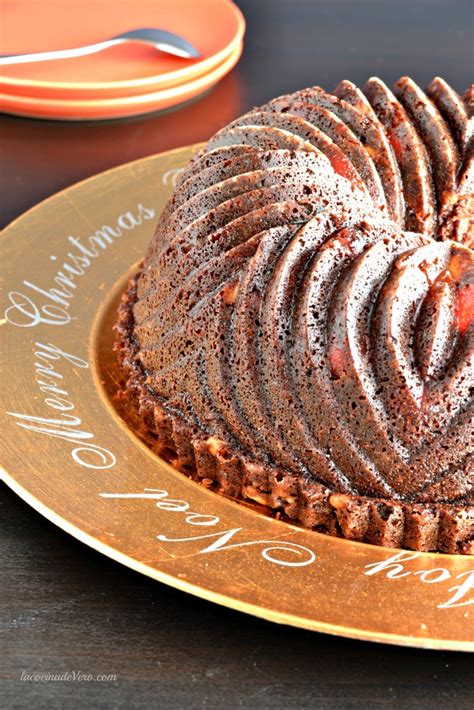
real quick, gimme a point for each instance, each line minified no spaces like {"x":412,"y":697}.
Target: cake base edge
{"x":208,"y":460}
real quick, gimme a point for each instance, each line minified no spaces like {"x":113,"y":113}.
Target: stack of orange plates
{"x":124,"y":80}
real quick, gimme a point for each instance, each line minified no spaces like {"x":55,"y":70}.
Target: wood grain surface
{"x":65,"y":608}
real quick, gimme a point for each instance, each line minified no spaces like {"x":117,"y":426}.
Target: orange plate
{"x":215,"y":27}
{"x":117,"y":107}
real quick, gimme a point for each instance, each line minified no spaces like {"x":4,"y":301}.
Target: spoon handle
{"x":57,"y":53}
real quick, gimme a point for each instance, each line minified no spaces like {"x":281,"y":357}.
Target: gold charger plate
{"x":68,"y":452}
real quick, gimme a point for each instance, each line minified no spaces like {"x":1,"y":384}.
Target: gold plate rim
{"x":223,"y":600}
{"x":233,"y":602}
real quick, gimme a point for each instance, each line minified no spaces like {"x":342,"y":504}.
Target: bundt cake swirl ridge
{"x":289,"y":341}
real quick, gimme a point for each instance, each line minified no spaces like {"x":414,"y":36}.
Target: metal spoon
{"x":160,"y":39}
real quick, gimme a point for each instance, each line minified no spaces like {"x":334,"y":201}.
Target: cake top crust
{"x":308,"y":298}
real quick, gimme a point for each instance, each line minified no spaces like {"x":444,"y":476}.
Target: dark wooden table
{"x":66,"y":608}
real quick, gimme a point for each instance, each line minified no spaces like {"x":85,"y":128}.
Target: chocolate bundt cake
{"x":301,"y":332}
